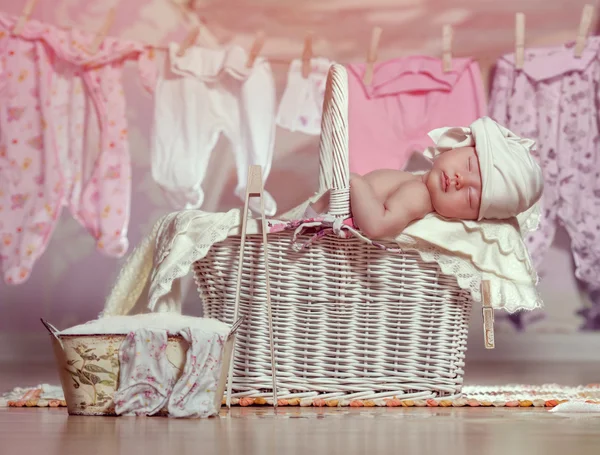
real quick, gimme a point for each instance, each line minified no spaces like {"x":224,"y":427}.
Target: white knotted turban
{"x":512,"y":181}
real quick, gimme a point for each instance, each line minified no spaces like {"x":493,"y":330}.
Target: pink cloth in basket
{"x":408,"y":97}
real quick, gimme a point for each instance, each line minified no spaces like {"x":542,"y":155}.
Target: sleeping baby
{"x":481,"y":172}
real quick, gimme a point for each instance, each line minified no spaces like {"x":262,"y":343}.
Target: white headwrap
{"x":512,"y":181}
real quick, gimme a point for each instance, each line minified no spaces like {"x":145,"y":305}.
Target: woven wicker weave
{"x":349,"y":319}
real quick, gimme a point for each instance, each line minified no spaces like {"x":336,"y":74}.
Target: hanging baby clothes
{"x":554,"y":100}
{"x":408,"y":97}
{"x":63,"y":141}
{"x":301,"y":105}
{"x":202,"y":94}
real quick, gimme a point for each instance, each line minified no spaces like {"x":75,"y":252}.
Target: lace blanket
{"x":469,"y":251}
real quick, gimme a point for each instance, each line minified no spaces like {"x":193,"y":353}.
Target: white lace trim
{"x":505,"y":293}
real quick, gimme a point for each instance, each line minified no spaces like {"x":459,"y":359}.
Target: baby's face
{"x":454,"y":184}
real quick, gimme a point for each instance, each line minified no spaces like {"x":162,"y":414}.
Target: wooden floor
{"x":261,"y":431}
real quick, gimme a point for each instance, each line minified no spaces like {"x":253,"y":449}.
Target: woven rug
{"x":41,"y":396}
{"x":511,"y":396}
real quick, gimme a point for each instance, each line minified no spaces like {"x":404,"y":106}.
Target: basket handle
{"x":334,"y":172}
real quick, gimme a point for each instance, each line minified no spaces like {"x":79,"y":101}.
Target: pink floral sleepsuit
{"x":63,"y":141}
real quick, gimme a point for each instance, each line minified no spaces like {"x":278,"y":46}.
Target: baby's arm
{"x":377,"y":219}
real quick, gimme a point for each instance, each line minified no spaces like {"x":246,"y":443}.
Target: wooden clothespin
{"x":488,"y":314}
{"x":257,"y":46}
{"x":447,"y":35}
{"x":188,"y":41}
{"x":206,"y":35}
{"x":584,"y":28}
{"x":108,"y":22}
{"x":372,"y":55}
{"x":25,"y":14}
{"x":307,"y":54}
{"x":519,"y":40}
{"x":254,"y":188}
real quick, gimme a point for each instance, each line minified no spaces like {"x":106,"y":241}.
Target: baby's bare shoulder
{"x":414,"y":196}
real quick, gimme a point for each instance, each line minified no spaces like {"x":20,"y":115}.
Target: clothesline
{"x":307,"y":53}
{"x":200,"y":29}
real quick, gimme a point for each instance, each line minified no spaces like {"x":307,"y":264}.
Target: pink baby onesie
{"x":408,"y":97}
{"x":63,"y":141}
{"x":554,"y":99}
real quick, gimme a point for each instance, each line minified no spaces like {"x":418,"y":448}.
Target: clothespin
{"x":307,"y":54}
{"x":257,"y":46}
{"x":488,"y":314}
{"x":519,"y":40}
{"x":372,"y":55}
{"x":447,"y":35}
{"x":110,"y":18}
{"x":25,"y":14}
{"x":206,"y":35}
{"x":584,"y":28}
{"x":188,"y":41}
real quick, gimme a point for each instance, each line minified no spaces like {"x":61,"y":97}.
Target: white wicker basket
{"x":349,"y":320}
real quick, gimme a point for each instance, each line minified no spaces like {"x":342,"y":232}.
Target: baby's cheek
{"x":447,"y":206}
{"x":437,"y":201}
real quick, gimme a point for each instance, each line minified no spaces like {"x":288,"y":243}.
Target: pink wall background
{"x":69,"y":283}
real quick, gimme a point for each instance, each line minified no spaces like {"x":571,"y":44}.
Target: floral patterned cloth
{"x":145,"y":381}
{"x":554,"y":100}
{"x":194,"y":394}
{"x":148,"y":384}
{"x":63,"y":142}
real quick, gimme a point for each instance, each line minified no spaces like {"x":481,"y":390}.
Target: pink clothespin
{"x":447,"y":36}
{"x":206,"y":35}
{"x":108,"y":22}
{"x":307,"y":54}
{"x":188,"y":41}
{"x":372,"y":55}
{"x":257,"y":46}
{"x":584,"y":29}
{"x":25,"y":14}
{"x":519,"y":40}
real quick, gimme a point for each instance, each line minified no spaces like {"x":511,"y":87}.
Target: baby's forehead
{"x":457,"y":152}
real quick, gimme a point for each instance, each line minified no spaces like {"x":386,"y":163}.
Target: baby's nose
{"x":459,"y":181}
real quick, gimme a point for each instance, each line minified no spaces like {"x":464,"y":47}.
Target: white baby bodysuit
{"x":202,"y":94}
{"x":301,"y":106}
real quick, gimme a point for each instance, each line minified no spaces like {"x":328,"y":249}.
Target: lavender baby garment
{"x":554,"y":100}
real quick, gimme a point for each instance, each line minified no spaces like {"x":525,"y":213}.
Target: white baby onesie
{"x":301,"y":106}
{"x":202,"y":94}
